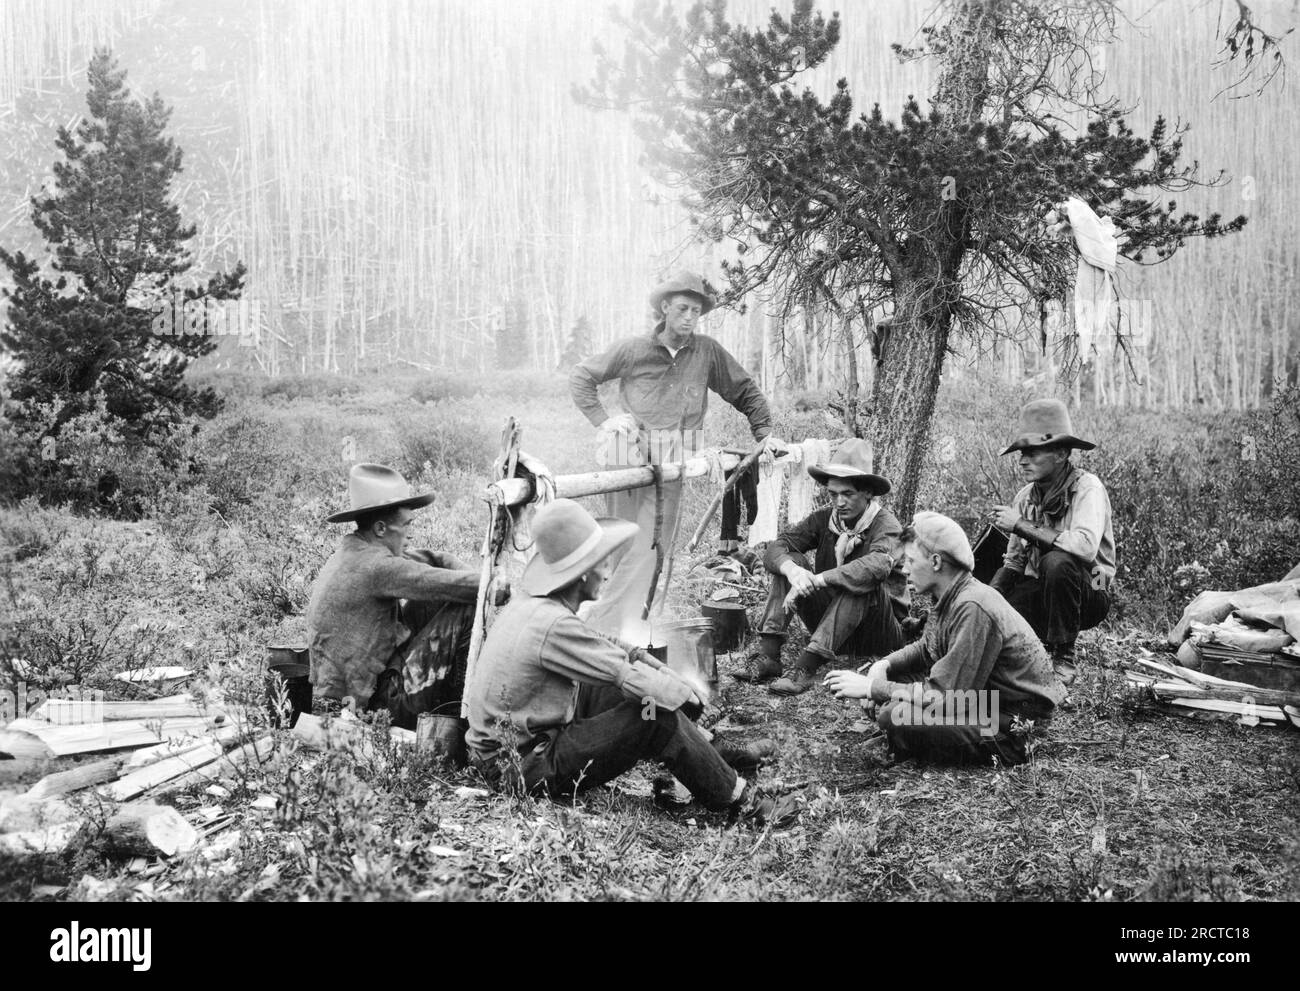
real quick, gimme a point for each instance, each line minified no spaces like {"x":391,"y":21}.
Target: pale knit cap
{"x":940,"y":534}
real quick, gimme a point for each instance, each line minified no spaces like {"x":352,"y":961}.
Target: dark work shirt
{"x":662,"y":390}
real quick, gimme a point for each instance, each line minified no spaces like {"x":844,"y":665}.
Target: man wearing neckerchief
{"x":1060,"y":560}
{"x":840,"y":571}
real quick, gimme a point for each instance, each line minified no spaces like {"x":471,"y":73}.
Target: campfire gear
{"x":681,"y":282}
{"x":569,"y":541}
{"x":854,"y":459}
{"x":373,"y":488}
{"x":1046,"y":423}
{"x":690,"y":653}
{"x":940,"y":535}
{"x":730,"y":623}
{"x":288,"y":677}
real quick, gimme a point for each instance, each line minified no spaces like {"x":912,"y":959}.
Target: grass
{"x":1120,"y":800}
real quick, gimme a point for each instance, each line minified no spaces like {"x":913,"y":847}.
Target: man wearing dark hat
{"x":664,"y":380}
{"x":851,"y":595}
{"x":1060,"y":559}
{"x":386,"y":626}
{"x":954,"y":696}
{"x":565,"y":707}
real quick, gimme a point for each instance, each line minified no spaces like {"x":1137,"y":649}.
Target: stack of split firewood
{"x":1195,"y":693}
{"x":149,"y":749}
{"x":138,"y":753}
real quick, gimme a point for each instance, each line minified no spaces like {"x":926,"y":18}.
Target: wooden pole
{"x":516,"y":491}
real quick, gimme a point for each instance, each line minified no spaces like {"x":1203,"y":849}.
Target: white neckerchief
{"x":849,"y":539}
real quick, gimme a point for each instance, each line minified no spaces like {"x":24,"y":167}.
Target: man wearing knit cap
{"x":664,"y":381}
{"x":953,"y":696}
{"x":851,"y":594}
{"x":1060,"y":559}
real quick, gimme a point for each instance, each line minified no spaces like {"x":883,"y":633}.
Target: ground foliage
{"x":1120,"y":801}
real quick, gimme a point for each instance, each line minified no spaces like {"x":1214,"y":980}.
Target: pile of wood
{"x":1195,"y":693}
{"x":158,"y":747}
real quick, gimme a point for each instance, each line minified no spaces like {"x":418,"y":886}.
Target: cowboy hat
{"x":684,"y":282}
{"x":1046,"y":423}
{"x":569,"y":541}
{"x":375,"y":487}
{"x":853,"y":459}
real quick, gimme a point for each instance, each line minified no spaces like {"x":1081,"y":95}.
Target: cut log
{"x":64,"y":741}
{"x":74,"y":712}
{"x":145,"y":829}
{"x":76,"y":778}
{"x":226,"y":766}
{"x":22,"y":813}
{"x":159,"y":772}
{"x":1233,"y":693}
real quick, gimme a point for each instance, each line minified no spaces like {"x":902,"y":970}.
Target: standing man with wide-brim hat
{"x":556,"y":707}
{"x":1060,"y":559}
{"x":851,"y":595}
{"x":664,"y":381}
{"x":389,"y":626}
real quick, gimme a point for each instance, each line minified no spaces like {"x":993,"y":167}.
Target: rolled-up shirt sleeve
{"x":401,"y":578}
{"x":588,"y":374}
{"x":735,"y":385}
{"x":1089,"y":511}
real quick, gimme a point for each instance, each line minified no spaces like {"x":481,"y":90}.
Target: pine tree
{"x":102,"y":329}
{"x":938,"y":219}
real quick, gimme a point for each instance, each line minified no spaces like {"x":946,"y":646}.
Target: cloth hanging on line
{"x":771,"y":483}
{"x":803,"y":487}
{"x":1098,"y":245}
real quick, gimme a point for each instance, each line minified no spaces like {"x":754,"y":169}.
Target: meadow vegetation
{"x":205,"y":552}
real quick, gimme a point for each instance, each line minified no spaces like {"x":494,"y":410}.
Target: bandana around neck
{"x":1049,"y":499}
{"x":850,"y":537}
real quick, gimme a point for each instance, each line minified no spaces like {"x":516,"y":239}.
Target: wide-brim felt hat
{"x":1046,"y":423}
{"x":684,"y":282}
{"x":570,"y":540}
{"x":852,"y":459}
{"x":375,"y":488}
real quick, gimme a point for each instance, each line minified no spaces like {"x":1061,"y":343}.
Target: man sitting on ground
{"x":953,"y":696}
{"x":576,"y":707}
{"x":367,"y":644}
{"x":852,"y":595}
{"x":1060,"y":558}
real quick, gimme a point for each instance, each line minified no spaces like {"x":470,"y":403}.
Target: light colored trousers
{"x":618,"y":610}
